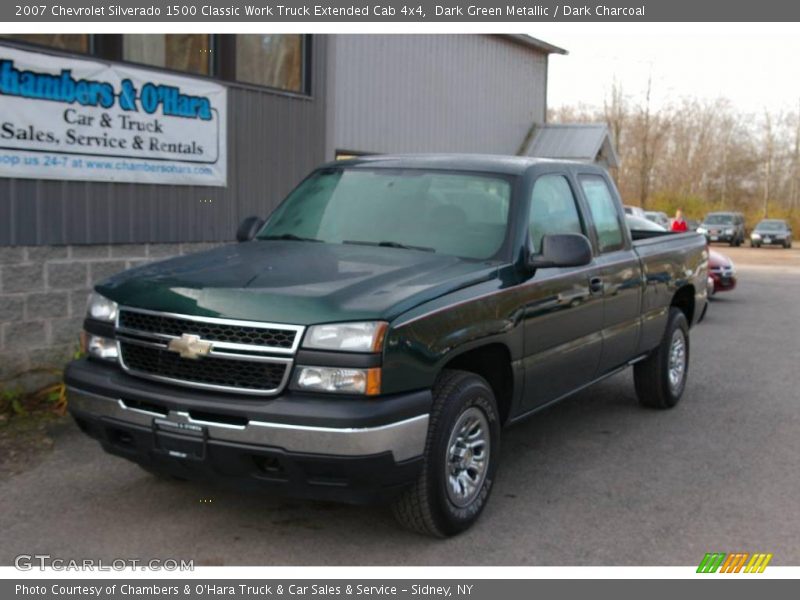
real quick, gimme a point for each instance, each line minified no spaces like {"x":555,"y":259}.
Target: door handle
{"x":596,"y":285}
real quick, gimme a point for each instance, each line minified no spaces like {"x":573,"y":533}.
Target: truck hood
{"x":295,"y":282}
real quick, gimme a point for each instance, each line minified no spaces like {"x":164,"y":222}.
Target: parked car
{"x":658,"y":217}
{"x":724,"y":227}
{"x":772,"y":232}
{"x":371,"y":340}
{"x":692,"y":224}
{"x":636,"y":211}
{"x":642,"y":224}
{"x":722,"y":270}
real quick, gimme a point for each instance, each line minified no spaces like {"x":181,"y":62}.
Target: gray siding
{"x":273,"y":141}
{"x":433,"y":93}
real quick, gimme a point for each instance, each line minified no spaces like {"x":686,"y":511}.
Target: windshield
{"x":719,"y":219}
{"x":770,"y":226}
{"x":459,"y":214}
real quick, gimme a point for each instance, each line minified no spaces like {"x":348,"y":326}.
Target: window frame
{"x":624,"y":243}
{"x":117,"y":47}
{"x":222,"y":64}
{"x":529,"y":207}
{"x":225,"y":63}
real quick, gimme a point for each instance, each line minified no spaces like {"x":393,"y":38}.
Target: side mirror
{"x":562,"y":250}
{"x":248,"y":229}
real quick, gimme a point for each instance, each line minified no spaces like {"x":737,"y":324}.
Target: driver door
{"x":563,"y":308}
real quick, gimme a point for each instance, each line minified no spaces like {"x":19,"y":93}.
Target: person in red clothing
{"x":679,"y":223}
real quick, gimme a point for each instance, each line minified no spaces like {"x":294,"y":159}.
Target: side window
{"x":553,"y":209}
{"x":604,"y":212}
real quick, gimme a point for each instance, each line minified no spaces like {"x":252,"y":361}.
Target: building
{"x":587,"y":142}
{"x":121,"y":149}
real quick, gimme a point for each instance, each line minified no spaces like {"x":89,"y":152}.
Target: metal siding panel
{"x":429,"y":93}
{"x":273,"y":140}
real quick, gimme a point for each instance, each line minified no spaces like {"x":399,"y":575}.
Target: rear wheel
{"x":661,"y":378}
{"x":460,"y":461}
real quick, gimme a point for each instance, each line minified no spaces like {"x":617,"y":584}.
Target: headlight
{"x":350,"y":337}
{"x":729,"y":232}
{"x":101,"y":308}
{"x":339,"y":380}
{"x":100,"y":347}
{"x":702,"y":230}
{"x":755,"y":236}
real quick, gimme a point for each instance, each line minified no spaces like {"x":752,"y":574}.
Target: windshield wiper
{"x":289,"y":236}
{"x":389,"y":244}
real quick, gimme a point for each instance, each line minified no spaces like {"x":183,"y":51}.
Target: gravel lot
{"x":595,"y":480}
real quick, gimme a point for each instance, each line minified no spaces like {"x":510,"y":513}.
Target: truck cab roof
{"x":488,"y":163}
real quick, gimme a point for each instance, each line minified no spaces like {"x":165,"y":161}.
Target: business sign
{"x":68,"y":118}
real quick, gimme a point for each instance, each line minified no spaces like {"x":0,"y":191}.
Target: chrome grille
{"x":246,"y":357}
{"x":229,"y":332}
{"x":222,"y":372}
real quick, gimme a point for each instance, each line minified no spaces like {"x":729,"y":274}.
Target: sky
{"x":755,"y":67}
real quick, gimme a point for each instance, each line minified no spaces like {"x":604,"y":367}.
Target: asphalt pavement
{"x":595,"y":480}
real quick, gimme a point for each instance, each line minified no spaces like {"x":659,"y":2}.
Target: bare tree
{"x":768,"y":157}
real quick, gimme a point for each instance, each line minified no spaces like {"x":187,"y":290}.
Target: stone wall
{"x":43,"y":292}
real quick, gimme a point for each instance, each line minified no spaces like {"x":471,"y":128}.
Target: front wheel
{"x":460,"y":460}
{"x":661,"y":378}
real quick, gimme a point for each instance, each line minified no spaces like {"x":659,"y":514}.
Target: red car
{"x":722,"y":271}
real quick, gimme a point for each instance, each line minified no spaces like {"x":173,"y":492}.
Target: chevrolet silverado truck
{"x":370,"y":341}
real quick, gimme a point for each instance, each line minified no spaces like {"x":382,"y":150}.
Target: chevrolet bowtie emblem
{"x":189,"y":346}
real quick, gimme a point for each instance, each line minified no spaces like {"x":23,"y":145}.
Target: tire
{"x":431,"y":506}
{"x":786,"y":245}
{"x":655,"y":387}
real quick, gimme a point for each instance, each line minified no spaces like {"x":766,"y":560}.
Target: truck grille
{"x":220,"y":372}
{"x":245,"y":357}
{"x":212,"y":331}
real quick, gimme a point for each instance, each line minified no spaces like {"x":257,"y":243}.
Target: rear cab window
{"x":604,"y":213}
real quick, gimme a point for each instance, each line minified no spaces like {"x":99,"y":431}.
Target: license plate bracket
{"x":180,"y":440}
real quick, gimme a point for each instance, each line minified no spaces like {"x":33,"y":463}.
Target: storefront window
{"x":190,"y":53}
{"x":72,"y":42}
{"x":270,"y":60}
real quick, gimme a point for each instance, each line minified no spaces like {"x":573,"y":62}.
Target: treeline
{"x":700,"y":155}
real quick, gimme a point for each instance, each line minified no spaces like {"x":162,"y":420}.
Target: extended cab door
{"x":562,"y":312}
{"x":621,"y":272}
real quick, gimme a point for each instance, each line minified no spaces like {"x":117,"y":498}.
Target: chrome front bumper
{"x":404,"y":439}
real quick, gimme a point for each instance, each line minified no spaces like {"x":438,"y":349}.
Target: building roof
{"x":532,"y":42}
{"x":574,"y":141}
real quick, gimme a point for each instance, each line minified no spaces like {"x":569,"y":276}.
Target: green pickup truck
{"x":370,"y":341}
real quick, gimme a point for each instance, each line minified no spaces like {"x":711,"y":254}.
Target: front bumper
{"x":720,"y":237}
{"x":723,"y":282}
{"x":351,"y":450}
{"x":769,"y":241}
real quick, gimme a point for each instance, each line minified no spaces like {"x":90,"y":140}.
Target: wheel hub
{"x":467,"y":456}
{"x":677,"y":360}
